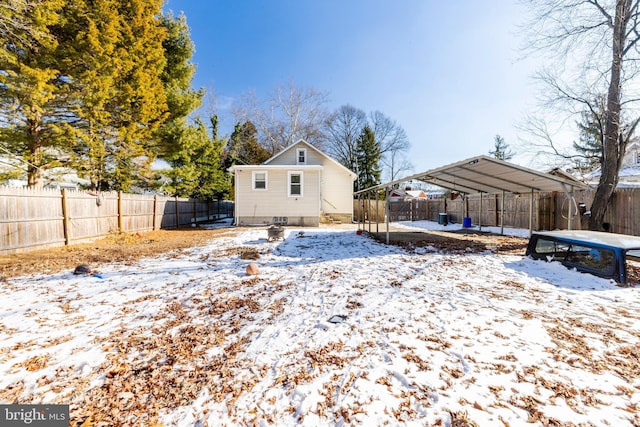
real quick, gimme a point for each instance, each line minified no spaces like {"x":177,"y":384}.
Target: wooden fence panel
{"x":89,"y":216}
{"x":35,"y":218}
{"x":30,"y":218}
{"x":137,"y":212}
{"x":550,"y":210}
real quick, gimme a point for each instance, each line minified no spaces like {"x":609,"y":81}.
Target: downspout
{"x":235,"y":196}
{"x":320,"y":206}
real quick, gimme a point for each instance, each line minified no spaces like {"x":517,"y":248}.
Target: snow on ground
{"x":336,"y":330}
{"x":431,"y":225}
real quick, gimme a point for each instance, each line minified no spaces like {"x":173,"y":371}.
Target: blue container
{"x":466,"y":222}
{"x":442,"y":219}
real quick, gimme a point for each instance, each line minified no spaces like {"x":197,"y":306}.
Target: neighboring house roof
{"x":629,"y":175}
{"x":302,"y":141}
{"x":418,"y":194}
{"x":409,"y":194}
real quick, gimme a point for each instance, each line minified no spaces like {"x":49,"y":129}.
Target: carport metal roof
{"x":484,"y":174}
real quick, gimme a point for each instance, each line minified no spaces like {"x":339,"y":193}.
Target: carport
{"x":485,"y":175}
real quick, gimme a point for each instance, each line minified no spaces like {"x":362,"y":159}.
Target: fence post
{"x":155,"y":212}
{"x":120,"y":221}
{"x":177,"y":214}
{"x":65,"y":218}
{"x":195,"y":211}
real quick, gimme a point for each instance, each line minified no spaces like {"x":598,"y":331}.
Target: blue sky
{"x":446,"y":71}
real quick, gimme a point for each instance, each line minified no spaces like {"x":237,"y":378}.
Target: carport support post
{"x":387,"y":208}
{"x":360,"y":211}
{"x":531,"y":214}
{"x":502,"y":214}
{"x":369,"y":209}
{"x":377,"y":209}
{"x":480,"y":214}
{"x":570,"y":213}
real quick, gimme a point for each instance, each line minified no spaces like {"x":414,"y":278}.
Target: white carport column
{"x":531,"y":203}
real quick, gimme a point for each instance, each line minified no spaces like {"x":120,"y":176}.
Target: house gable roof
{"x":307,"y":145}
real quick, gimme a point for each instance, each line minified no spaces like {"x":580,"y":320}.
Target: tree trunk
{"x":612,"y":149}
{"x":34,"y":171}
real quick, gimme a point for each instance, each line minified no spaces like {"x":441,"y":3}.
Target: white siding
{"x":276,"y":202}
{"x":337,"y":190}
{"x":289,"y":157}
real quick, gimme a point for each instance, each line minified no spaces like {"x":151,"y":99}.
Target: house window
{"x":635,"y":158}
{"x":259,"y":180}
{"x":301,"y":156}
{"x":295,"y":184}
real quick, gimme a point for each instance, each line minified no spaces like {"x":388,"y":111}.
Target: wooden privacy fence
{"x":550,"y":210}
{"x":39,"y":218}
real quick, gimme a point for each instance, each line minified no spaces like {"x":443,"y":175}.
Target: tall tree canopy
{"x":501,"y":150}
{"x":243,"y":147}
{"x":368,"y":159}
{"x":344,"y":128}
{"x":86,"y":90}
{"x":595,"y":45}
{"x":198,"y":170}
{"x":290,"y":113}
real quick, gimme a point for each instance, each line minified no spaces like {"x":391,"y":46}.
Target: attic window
{"x":259,"y":180}
{"x":301,"y":156}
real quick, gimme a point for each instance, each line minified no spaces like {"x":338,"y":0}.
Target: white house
{"x":298,"y":186}
{"x":629,"y":175}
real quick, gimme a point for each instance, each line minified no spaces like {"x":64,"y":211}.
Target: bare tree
{"x":393,"y":144}
{"x":594,"y":45}
{"x":396,"y":163}
{"x":343,"y":128}
{"x":289,"y":114}
{"x":389,"y":134}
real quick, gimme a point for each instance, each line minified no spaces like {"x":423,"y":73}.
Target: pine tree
{"x":590,"y":147}
{"x":32,"y":87}
{"x":177,"y":78}
{"x":198,"y":169}
{"x":88,"y":92}
{"x":367,"y":159}
{"x":139,"y":106}
{"x":243,"y":147}
{"x":501,"y":149}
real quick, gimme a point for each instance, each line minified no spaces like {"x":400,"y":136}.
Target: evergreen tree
{"x":88,"y":93}
{"x":589,"y":148}
{"x":243,"y":147}
{"x":177,"y":77}
{"x":198,"y":170}
{"x":367,"y":159}
{"x":32,"y":87}
{"x":139,"y":106}
{"x":501,"y":149}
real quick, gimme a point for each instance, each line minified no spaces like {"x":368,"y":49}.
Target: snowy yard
{"x":336,"y":330}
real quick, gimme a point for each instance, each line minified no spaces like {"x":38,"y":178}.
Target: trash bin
{"x":442,"y":218}
{"x":466,"y":222}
